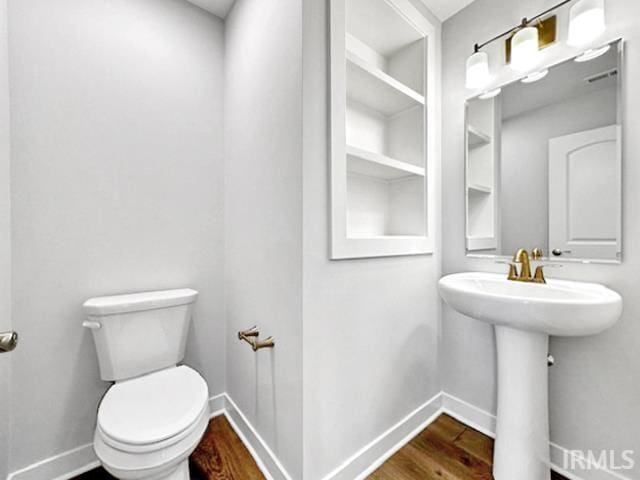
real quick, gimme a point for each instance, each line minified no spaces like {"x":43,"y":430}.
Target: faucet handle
{"x":537,"y":253}
{"x":538,"y":276}
{"x":513,"y":272}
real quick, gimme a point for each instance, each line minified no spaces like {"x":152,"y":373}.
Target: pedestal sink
{"x":524,"y":315}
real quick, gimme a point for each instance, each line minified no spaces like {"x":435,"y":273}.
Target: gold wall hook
{"x":252,"y":332}
{"x":251,"y":337}
{"x":266,"y":343}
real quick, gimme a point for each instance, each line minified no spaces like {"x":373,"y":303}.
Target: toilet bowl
{"x":155,"y":414}
{"x":147,"y":427}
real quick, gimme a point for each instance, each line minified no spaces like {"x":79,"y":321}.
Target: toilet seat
{"x":152,"y":423}
{"x":150,"y":409}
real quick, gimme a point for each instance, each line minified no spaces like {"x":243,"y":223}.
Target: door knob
{"x":8,"y":341}
{"x":557,"y":252}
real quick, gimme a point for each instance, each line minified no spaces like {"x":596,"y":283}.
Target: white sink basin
{"x":524,"y":315}
{"x":560,"y":307}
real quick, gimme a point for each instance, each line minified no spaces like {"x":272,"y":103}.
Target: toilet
{"x":155,"y":414}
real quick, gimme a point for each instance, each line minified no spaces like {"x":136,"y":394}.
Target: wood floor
{"x":446,"y":450}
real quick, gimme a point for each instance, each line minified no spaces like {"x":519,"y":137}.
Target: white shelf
{"x":481,"y":243}
{"x":379,"y":166}
{"x":477,"y":188}
{"x":381,"y":25}
{"x":477,"y":138}
{"x":377,"y":90}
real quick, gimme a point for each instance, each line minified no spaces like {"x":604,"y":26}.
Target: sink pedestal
{"x":522,"y":428}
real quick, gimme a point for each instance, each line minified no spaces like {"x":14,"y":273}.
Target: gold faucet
{"x":522,"y":257}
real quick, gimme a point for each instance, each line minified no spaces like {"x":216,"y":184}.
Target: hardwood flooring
{"x":221,"y":455}
{"x":445,"y":450}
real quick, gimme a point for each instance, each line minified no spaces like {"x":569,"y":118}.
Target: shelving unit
{"x":476,"y":137}
{"x":379,"y":119}
{"x":379,"y":166}
{"x":481,"y":171}
{"x":376,"y":90}
{"x":481,"y":189}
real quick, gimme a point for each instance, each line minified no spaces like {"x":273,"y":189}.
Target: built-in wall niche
{"x":483,"y":140}
{"x":382,"y":64}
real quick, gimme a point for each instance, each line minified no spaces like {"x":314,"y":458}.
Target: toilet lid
{"x":154,"y":407}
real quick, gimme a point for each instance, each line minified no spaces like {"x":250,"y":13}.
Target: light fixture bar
{"x":525,"y":21}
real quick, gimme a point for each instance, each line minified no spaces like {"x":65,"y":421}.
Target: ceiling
{"x":444,"y":9}
{"x":218,"y":7}
{"x":564,"y":81}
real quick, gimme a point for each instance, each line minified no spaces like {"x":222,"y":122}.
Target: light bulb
{"x":524,"y":49}
{"x":586,"y":22}
{"x":478,"y":70}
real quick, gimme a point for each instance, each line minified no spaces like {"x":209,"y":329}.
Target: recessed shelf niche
{"x":379,"y":135}
{"x":482,"y":155}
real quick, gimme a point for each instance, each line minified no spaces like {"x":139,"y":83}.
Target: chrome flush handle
{"x":8,"y":341}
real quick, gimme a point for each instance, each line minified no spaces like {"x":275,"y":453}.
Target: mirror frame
{"x":503,"y":259}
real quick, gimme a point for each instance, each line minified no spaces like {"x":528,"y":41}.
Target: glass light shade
{"x":524,"y":49}
{"x":586,"y":22}
{"x":593,"y":53}
{"x":534,"y":77}
{"x":478,"y":70}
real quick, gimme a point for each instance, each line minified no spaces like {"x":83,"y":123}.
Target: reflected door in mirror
{"x":584,"y":194}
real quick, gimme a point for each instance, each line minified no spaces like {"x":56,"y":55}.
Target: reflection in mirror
{"x":543,"y":163}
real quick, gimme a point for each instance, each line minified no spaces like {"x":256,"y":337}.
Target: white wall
{"x":594,"y":392}
{"x":263,"y":218}
{"x":5,"y":240}
{"x":525,"y":162}
{"x":116,"y":187}
{"x":370,"y":325}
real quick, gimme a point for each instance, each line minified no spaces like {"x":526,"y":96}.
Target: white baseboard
{"x":63,"y":466}
{"x":267,"y":461}
{"x":362,"y":463}
{"x":217,"y":405}
{"x":485,"y":422}
{"x":470,"y":415}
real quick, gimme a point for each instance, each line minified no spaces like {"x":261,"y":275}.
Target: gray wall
{"x":263,"y":218}
{"x":117,"y":187}
{"x":370,"y":325}
{"x":524,"y":182}
{"x":5,"y":240}
{"x":594,"y":386}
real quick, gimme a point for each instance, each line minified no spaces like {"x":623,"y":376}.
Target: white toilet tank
{"x":139,"y":333}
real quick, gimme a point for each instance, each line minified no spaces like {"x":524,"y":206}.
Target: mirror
{"x":543,"y":162}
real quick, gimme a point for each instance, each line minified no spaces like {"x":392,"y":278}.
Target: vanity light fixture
{"x":478,"y":70}
{"x":525,"y":53}
{"x":534,"y":77}
{"x":490,"y":94}
{"x":592,"y":53}
{"x":587,"y":22}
